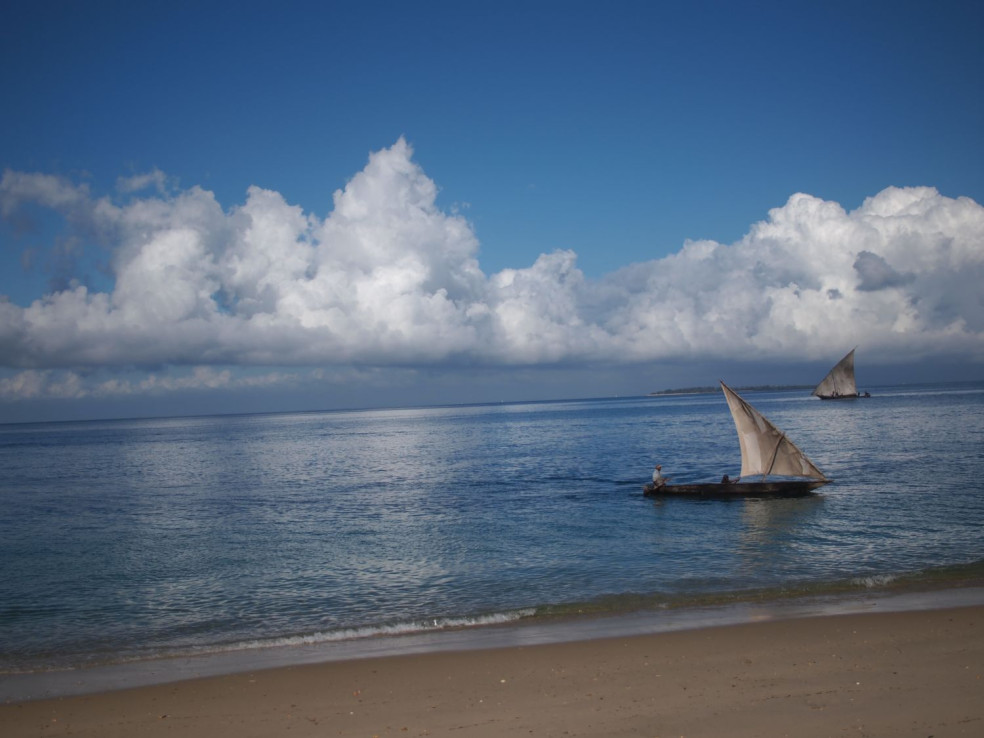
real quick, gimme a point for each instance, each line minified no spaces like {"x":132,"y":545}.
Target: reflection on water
{"x":771,"y":527}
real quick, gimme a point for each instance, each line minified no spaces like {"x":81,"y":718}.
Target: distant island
{"x":711,"y":390}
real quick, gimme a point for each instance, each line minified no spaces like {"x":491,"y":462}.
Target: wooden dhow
{"x":771,"y":464}
{"x":839,"y":383}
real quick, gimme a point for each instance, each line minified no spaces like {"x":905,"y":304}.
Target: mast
{"x":764,"y":448}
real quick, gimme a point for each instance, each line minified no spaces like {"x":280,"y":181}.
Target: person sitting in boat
{"x":658,"y":480}
{"x":728,"y":480}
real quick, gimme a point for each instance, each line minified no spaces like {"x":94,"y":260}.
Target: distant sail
{"x":765,"y":449}
{"x":840,"y":381}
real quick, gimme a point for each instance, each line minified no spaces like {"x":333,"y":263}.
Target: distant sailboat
{"x":765,"y":452}
{"x":839,"y":383}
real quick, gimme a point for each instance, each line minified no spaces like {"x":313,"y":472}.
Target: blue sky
{"x":824,"y":150}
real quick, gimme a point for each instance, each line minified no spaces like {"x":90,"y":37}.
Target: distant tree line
{"x":710,"y":390}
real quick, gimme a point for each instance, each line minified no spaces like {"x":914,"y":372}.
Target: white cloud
{"x":388,"y":279}
{"x":155,"y":179}
{"x":19,"y":188}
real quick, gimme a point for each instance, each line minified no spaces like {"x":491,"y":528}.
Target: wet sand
{"x":915,"y":673}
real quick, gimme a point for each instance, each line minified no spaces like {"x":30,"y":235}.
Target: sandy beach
{"x":885,"y":674}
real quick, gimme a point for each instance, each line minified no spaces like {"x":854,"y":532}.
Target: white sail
{"x":840,"y":381}
{"x":764,"y":448}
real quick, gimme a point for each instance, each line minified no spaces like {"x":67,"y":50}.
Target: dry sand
{"x":886,"y":674}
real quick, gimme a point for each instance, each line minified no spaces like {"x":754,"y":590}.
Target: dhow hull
{"x":718,"y":490}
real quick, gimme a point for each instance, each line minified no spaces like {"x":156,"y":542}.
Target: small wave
{"x":411,"y":627}
{"x":428,"y":625}
{"x":873,"y":582}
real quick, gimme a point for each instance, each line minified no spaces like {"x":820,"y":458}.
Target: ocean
{"x":170,"y":541}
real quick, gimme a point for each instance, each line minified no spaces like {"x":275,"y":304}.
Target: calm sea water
{"x":136,"y":539}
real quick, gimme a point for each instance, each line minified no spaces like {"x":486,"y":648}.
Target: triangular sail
{"x":840,"y":381}
{"x":764,"y":448}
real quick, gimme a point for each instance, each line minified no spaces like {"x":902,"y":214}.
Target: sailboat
{"x":765,"y":453}
{"x":839,"y":383}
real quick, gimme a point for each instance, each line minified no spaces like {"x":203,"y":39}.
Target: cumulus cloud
{"x":389,"y":279}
